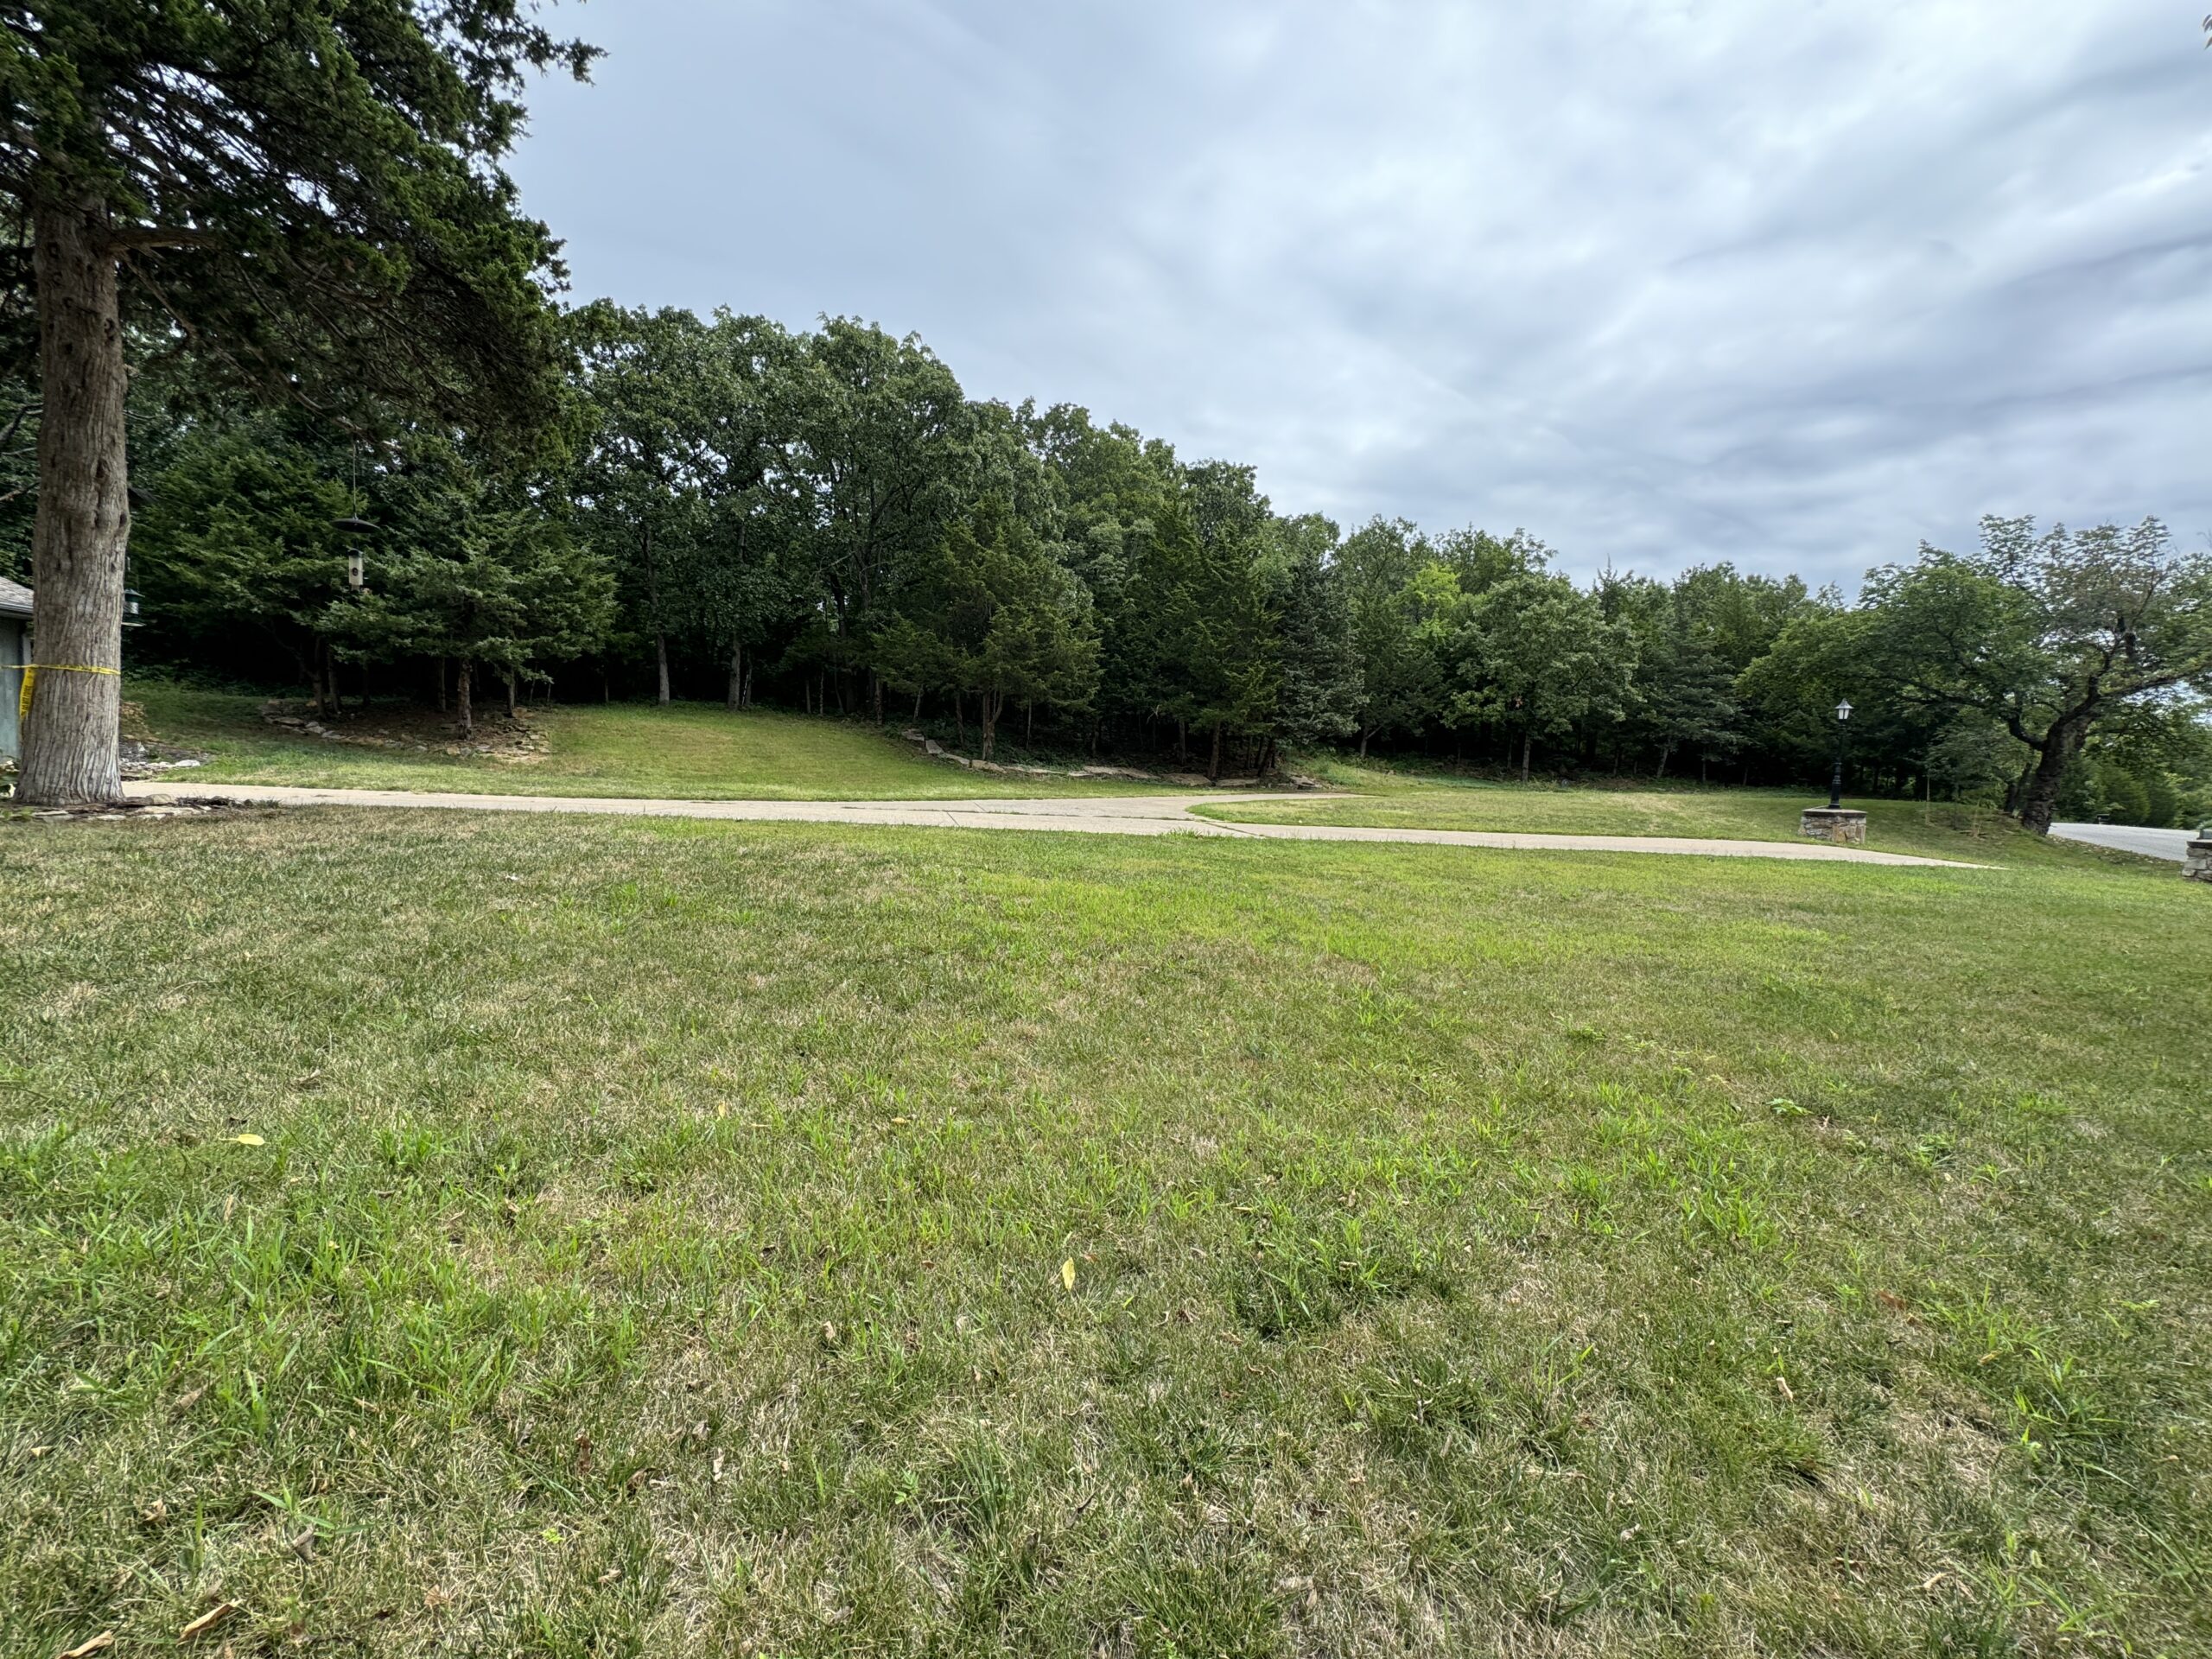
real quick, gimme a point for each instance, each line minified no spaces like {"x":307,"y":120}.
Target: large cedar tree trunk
{"x":736,"y":699}
{"x":83,"y":523}
{"x":464,"y":716}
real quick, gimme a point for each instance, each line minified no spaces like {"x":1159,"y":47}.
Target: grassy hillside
{"x":688,"y":751}
{"x":449,"y":1233}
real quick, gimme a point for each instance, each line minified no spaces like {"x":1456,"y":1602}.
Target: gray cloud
{"x":1797,"y":286}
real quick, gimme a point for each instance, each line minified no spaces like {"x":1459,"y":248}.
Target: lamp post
{"x":1842,"y":726}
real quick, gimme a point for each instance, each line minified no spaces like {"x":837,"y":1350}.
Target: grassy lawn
{"x":459,"y":1234}
{"x":686,"y":751}
{"x":1391,"y":800}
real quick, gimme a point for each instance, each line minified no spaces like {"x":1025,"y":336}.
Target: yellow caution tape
{"x":31,"y":671}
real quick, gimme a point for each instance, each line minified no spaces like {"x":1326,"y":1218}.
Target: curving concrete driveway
{"x":1111,"y":814}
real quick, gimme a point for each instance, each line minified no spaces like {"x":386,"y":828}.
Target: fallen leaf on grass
{"x":99,"y":1643}
{"x":249,"y":1141}
{"x":186,"y":1402}
{"x":1782,"y":1386}
{"x":1067,"y":1273}
{"x":1897,"y":1304}
{"x":207,"y":1621}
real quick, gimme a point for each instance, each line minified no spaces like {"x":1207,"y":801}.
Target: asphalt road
{"x":2126,"y":838}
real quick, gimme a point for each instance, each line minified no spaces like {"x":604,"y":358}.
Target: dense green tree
{"x":653,"y":384}
{"x":1737,"y":617}
{"x":1686,"y":699}
{"x":472,"y":566}
{"x":18,"y":480}
{"x":885,"y":451}
{"x":742,"y":577}
{"x":992,"y":615}
{"x":242,"y":531}
{"x":1971,"y":759}
{"x":1202,"y":645}
{"x":1479,"y":560}
{"x":1318,"y":690}
{"x":1400,"y":680}
{"x":309,"y":195}
{"x":2053,"y":635}
{"x":1533,"y":655}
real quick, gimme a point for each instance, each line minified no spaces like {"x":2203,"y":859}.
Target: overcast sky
{"x":1795,"y":285}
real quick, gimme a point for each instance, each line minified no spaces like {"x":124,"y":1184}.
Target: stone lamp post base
{"x":1845,"y":825}
{"x":2197,"y":860}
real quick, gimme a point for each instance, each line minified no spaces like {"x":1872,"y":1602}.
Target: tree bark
{"x":442,"y":685}
{"x":2059,"y":745}
{"x":736,"y":676}
{"x":1213,"y":762}
{"x":464,"y":715}
{"x":1527,"y":738}
{"x":653,"y":605}
{"x":83,"y":523}
{"x":511,"y":696}
{"x":988,"y":713}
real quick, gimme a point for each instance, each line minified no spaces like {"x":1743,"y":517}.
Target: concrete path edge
{"x":1123,"y":815}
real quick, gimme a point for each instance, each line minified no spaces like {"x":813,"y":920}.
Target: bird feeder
{"x":356,"y":575}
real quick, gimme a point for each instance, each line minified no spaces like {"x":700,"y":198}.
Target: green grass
{"x":1387,"y":798}
{"x":685,"y":751}
{"x":656,"y":1246}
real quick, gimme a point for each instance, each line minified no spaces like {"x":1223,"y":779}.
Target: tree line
{"x":823,"y":520}
{"x":291,"y":326}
